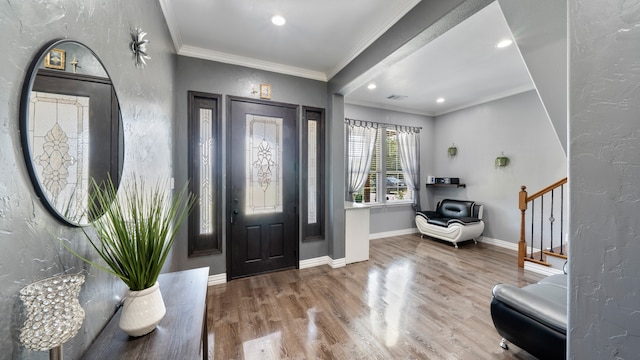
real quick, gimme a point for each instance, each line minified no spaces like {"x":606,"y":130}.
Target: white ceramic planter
{"x":142,"y":311}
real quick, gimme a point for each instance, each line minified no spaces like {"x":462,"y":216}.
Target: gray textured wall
{"x":398,"y":217}
{"x":219,"y":78}
{"x":604,"y":159}
{"x":26,"y":229}
{"x":544,"y":51}
{"x":516,"y":125}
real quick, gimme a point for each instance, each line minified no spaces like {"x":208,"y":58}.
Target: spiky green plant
{"x":137,"y":229}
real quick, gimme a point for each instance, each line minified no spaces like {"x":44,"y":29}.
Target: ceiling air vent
{"x":397,"y":97}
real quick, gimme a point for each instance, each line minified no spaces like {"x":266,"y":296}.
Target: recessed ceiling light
{"x":440,"y":100}
{"x":504,"y":43}
{"x":371,"y":86}
{"x":278,"y":20}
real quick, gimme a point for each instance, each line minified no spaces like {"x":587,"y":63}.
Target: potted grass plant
{"x":135,"y":230}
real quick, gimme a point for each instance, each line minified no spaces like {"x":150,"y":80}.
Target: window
{"x":396,"y":187}
{"x":386,"y":175}
{"x":313,"y":174}
{"x":204,"y":174}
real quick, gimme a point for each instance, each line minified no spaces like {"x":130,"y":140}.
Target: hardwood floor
{"x":414,"y":299}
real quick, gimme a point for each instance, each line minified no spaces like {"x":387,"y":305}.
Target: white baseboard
{"x":499,"y":243}
{"x":541,"y":269}
{"x":322,"y":260}
{"x":386,"y":234}
{"x":313,"y":262}
{"x":217,"y":279}
{"x":503,"y":244}
{"x":337,"y":263}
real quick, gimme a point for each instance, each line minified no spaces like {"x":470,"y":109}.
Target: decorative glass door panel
{"x":263,"y":164}
{"x":312,"y":171}
{"x":206,"y":171}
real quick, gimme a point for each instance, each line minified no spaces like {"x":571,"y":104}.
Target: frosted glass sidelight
{"x":206,"y":172}
{"x":263,"y":164}
{"x":312,"y":171}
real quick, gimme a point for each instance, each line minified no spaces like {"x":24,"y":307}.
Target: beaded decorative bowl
{"x":54,"y":314}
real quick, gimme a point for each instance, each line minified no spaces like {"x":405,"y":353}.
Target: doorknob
{"x":234,"y":212}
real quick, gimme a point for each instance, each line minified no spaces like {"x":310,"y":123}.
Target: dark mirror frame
{"x":115,"y":161}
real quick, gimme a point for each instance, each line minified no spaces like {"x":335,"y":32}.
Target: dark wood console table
{"x":181,"y":334}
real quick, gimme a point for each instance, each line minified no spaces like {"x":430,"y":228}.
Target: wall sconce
{"x":502,"y":161}
{"x":54,"y":314}
{"x":139,"y":47}
{"x":452,"y":150}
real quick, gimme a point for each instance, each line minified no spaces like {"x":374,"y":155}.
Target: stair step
{"x":537,"y":261}
{"x":555,"y":254}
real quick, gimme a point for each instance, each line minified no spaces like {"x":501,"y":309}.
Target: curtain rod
{"x":382,"y":124}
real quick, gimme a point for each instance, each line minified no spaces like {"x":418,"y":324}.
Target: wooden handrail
{"x":523,"y":200}
{"x":547,"y":189}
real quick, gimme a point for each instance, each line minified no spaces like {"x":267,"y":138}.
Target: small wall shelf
{"x":447,"y":185}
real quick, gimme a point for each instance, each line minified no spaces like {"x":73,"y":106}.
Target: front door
{"x":261,"y":187}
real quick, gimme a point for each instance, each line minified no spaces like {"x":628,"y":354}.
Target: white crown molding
{"x":217,"y":279}
{"x":197,"y":52}
{"x":401,"y":8}
{"x":494,"y":97}
{"x":386,"y":107}
{"x":511,"y":92}
{"x":398,"y":12}
{"x":172,"y":24}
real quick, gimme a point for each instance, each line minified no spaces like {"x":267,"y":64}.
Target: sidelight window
{"x":205,"y":163}
{"x":313,"y":174}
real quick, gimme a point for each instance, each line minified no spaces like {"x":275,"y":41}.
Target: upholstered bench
{"x":453,"y":221}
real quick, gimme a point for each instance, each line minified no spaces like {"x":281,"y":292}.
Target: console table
{"x":181,"y":334}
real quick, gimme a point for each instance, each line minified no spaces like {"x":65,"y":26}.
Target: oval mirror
{"x":71,"y":129}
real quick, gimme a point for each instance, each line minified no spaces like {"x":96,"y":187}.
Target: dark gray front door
{"x":261,"y":187}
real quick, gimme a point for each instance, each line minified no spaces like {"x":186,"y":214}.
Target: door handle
{"x":234,"y":212}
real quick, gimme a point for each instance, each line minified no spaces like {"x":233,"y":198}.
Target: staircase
{"x":543,"y":239}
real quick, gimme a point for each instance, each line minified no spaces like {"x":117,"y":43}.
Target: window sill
{"x":389,"y":204}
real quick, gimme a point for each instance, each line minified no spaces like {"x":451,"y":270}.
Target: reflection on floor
{"x":414,"y":299}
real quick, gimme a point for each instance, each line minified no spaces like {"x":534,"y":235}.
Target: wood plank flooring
{"x":414,"y":299}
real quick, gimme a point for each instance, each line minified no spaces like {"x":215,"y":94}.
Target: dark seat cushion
{"x":445,"y":222}
{"x":464,"y":220}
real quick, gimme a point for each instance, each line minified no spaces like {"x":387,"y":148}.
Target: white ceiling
{"x":322,"y":36}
